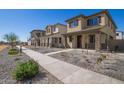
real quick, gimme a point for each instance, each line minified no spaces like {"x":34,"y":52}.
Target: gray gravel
{"x":112,"y":66}
{"x":8,"y":64}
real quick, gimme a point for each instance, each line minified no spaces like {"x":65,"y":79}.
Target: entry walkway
{"x":66,"y":50}
{"x":68,"y":73}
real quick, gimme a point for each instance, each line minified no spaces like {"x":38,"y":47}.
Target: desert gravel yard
{"x":47,"y":50}
{"x":8,"y":63}
{"x":112,"y":65}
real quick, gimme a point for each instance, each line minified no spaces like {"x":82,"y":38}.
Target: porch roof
{"x":86,"y":30}
{"x":53,"y":35}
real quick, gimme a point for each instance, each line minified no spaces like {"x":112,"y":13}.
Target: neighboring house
{"x":51,"y":37}
{"x":91,"y":32}
{"x":119,"y":35}
{"x":36,"y":37}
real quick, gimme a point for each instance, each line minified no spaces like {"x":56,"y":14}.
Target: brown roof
{"x":94,"y":28}
{"x":55,"y":25}
{"x":81,"y":15}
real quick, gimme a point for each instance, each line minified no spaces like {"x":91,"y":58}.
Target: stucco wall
{"x":78,"y":28}
{"x":113,"y":43}
{"x":120,"y":35}
{"x":50,"y":32}
{"x":62,"y":29}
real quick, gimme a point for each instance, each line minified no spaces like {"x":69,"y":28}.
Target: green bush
{"x":26,"y":70}
{"x":13,"y":51}
{"x":99,"y":60}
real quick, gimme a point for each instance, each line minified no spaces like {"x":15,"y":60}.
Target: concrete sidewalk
{"x":68,"y":73}
{"x":66,"y":50}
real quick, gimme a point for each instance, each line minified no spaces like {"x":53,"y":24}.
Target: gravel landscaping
{"x":47,"y":50}
{"x":8,"y":64}
{"x":112,"y":66}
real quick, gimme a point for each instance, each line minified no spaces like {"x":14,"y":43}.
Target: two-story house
{"x":51,"y":37}
{"x":36,"y":37}
{"x":91,"y":32}
{"x":54,"y":37}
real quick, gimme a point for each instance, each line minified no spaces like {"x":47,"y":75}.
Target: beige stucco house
{"x":36,"y":37}
{"x":91,"y":32}
{"x":54,"y":35}
{"x":51,"y":37}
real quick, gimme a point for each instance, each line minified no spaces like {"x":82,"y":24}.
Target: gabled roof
{"x":37,"y":30}
{"x":59,"y":24}
{"x":55,"y":25}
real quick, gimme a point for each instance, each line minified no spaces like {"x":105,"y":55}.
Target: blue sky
{"x":22,"y":21}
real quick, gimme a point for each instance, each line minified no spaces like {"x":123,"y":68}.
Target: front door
{"x":79,"y":41}
{"x":91,"y":44}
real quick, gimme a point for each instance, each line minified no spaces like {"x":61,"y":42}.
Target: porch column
{"x":41,"y":42}
{"x":98,"y":41}
{"x":83,"y":40}
{"x":50,"y":42}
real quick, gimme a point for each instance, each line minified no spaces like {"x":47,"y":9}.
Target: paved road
{"x":68,"y":73}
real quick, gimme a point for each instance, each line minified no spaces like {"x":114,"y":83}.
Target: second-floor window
{"x":38,"y":34}
{"x":54,"y":29}
{"x":48,"y":30}
{"x":94,"y":21}
{"x":117,"y":34}
{"x":73,"y":24}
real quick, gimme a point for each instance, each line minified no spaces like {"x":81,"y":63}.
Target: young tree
{"x":11,"y":38}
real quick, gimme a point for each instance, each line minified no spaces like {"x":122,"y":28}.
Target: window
{"x":57,"y":29}
{"x":92,"y":38}
{"x":60,"y":40}
{"x":70,"y":38}
{"x":94,"y":21}
{"x":99,"y":19}
{"x":55,"y":40}
{"x":38,"y":34}
{"x":117,"y":34}
{"x":54,"y":29}
{"x":73,"y":24}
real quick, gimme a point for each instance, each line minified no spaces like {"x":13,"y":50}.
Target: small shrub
{"x":26,"y":70}
{"x":103,"y":56}
{"x":99,"y":60}
{"x":13,"y":52}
